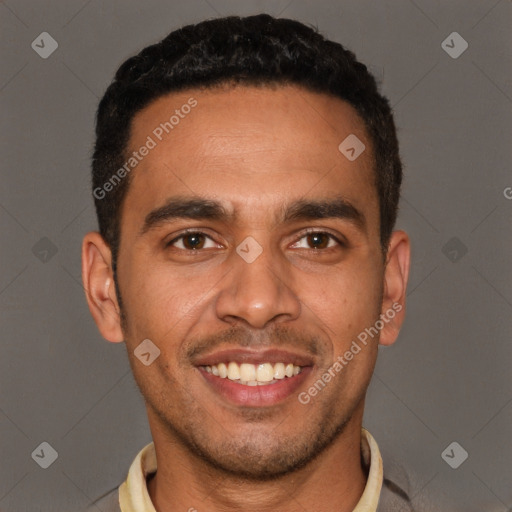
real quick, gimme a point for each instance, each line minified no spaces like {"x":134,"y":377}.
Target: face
{"x":250,"y":245}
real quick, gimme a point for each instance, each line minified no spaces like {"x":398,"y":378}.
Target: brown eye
{"x":192,"y":241}
{"x":318,"y":240}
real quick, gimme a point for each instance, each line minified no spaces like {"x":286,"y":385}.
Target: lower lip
{"x":254,"y":396}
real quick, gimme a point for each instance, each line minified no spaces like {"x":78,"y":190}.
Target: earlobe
{"x":99,"y":287}
{"x":396,"y":275}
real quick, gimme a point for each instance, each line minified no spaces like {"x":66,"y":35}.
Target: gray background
{"x":446,"y":379}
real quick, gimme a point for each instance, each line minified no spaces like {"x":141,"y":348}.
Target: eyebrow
{"x":197,"y":208}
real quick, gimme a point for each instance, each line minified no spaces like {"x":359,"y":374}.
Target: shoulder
{"x":400,"y":490}
{"x":395,"y":495}
{"x":108,"y":502}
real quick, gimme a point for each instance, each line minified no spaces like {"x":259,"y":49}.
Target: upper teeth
{"x":253,"y":374}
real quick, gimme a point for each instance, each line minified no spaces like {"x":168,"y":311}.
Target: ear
{"x":98,"y":280}
{"x":396,"y":275}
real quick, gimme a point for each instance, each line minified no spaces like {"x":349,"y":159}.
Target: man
{"x":246,"y":178}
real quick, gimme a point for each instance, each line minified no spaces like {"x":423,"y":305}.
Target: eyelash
{"x":303,"y":235}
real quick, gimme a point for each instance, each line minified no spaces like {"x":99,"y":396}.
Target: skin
{"x":255,"y":150}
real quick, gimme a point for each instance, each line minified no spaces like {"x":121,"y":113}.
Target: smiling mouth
{"x":247,"y":374}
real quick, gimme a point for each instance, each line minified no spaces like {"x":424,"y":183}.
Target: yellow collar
{"x":134,"y":496}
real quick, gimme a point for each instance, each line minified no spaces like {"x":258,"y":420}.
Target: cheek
{"x":147,"y":293}
{"x":161,"y":298}
{"x":345,"y":298}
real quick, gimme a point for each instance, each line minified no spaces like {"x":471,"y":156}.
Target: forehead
{"x":247,"y":144}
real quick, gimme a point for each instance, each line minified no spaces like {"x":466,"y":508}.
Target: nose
{"x":257,"y":292}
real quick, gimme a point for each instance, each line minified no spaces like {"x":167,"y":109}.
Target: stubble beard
{"x":263,"y":456}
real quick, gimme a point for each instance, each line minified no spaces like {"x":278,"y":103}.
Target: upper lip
{"x":253,"y":357}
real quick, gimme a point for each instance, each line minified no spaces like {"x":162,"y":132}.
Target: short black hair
{"x":256,"y":50}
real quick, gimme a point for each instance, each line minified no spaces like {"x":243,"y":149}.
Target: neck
{"x":335,"y":480}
